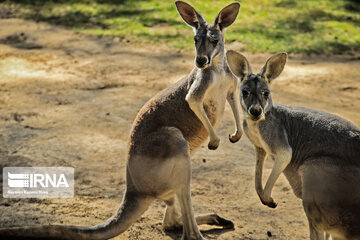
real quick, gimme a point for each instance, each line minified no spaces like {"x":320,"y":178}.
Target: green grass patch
{"x":298,"y":26}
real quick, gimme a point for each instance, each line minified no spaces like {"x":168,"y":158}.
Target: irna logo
{"x":20,"y":180}
{"x":42,"y":182}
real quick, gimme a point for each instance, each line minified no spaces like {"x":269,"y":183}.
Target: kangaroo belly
{"x":214,"y":110}
{"x":214,"y":102}
{"x":331,"y":198}
{"x":294,"y":179}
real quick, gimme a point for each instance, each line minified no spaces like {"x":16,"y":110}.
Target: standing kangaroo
{"x":318,"y":152}
{"x":166,"y":131}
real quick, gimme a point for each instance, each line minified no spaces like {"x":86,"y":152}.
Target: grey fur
{"x":318,"y":152}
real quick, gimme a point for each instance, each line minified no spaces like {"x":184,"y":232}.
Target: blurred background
{"x":296,"y":26}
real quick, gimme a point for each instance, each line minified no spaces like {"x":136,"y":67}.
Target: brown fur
{"x":166,"y":131}
{"x":169,"y":108}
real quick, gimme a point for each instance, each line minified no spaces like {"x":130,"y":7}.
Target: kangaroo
{"x":166,"y":132}
{"x":318,"y":152}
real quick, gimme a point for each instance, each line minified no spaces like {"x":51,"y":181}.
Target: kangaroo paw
{"x":235,"y":137}
{"x":226,"y":224}
{"x":271,"y":203}
{"x":214,"y":143}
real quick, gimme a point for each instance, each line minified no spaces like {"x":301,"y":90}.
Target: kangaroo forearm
{"x":281,"y":160}
{"x":233,"y":101}
{"x":260,"y":159}
{"x":197,"y":108}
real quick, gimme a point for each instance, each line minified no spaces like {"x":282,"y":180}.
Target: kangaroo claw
{"x":271,"y":203}
{"x":214,"y":143}
{"x":235,"y":137}
{"x":226,"y":224}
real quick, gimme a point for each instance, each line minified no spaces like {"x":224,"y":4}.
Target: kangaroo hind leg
{"x":173,"y":220}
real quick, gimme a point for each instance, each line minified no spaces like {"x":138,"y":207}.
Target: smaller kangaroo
{"x":318,"y":152}
{"x":166,"y":131}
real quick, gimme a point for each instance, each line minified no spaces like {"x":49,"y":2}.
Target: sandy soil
{"x":69,"y":100}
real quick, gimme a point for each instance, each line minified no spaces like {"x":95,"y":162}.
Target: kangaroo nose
{"x":201,"y":61}
{"x":255,"y":111}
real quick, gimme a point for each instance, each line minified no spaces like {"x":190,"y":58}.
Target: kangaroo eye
{"x":265,"y":93}
{"x":245,"y":92}
{"x":214,"y":41}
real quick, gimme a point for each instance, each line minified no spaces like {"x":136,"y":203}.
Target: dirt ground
{"x":70,"y":100}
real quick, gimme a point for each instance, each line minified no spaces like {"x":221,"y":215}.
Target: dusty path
{"x":69,"y":100}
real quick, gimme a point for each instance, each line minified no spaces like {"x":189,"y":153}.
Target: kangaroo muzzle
{"x":256,"y":112}
{"x":202,"y":61}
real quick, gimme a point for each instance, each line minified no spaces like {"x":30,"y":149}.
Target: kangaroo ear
{"x":238,"y":64}
{"x":227,"y":16}
{"x":189,"y":14}
{"x":274,"y":66}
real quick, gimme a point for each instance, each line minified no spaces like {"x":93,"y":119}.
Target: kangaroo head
{"x":209,"y":38}
{"x":255,"y":97}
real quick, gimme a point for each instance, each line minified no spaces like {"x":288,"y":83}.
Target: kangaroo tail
{"x":132,"y":207}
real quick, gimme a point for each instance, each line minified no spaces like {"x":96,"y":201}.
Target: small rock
{"x":18,"y":117}
{"x":349,"y":88}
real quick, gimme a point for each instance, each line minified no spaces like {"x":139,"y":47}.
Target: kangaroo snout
{"x":255,"y":112}
{"x":201,"y":61}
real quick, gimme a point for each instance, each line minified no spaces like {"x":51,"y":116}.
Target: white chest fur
{"x":214,"y":101}
{"x":253,"y":133}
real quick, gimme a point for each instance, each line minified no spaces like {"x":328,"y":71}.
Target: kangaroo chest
{"x":215,"y":98}
{"x":252,"y":131}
